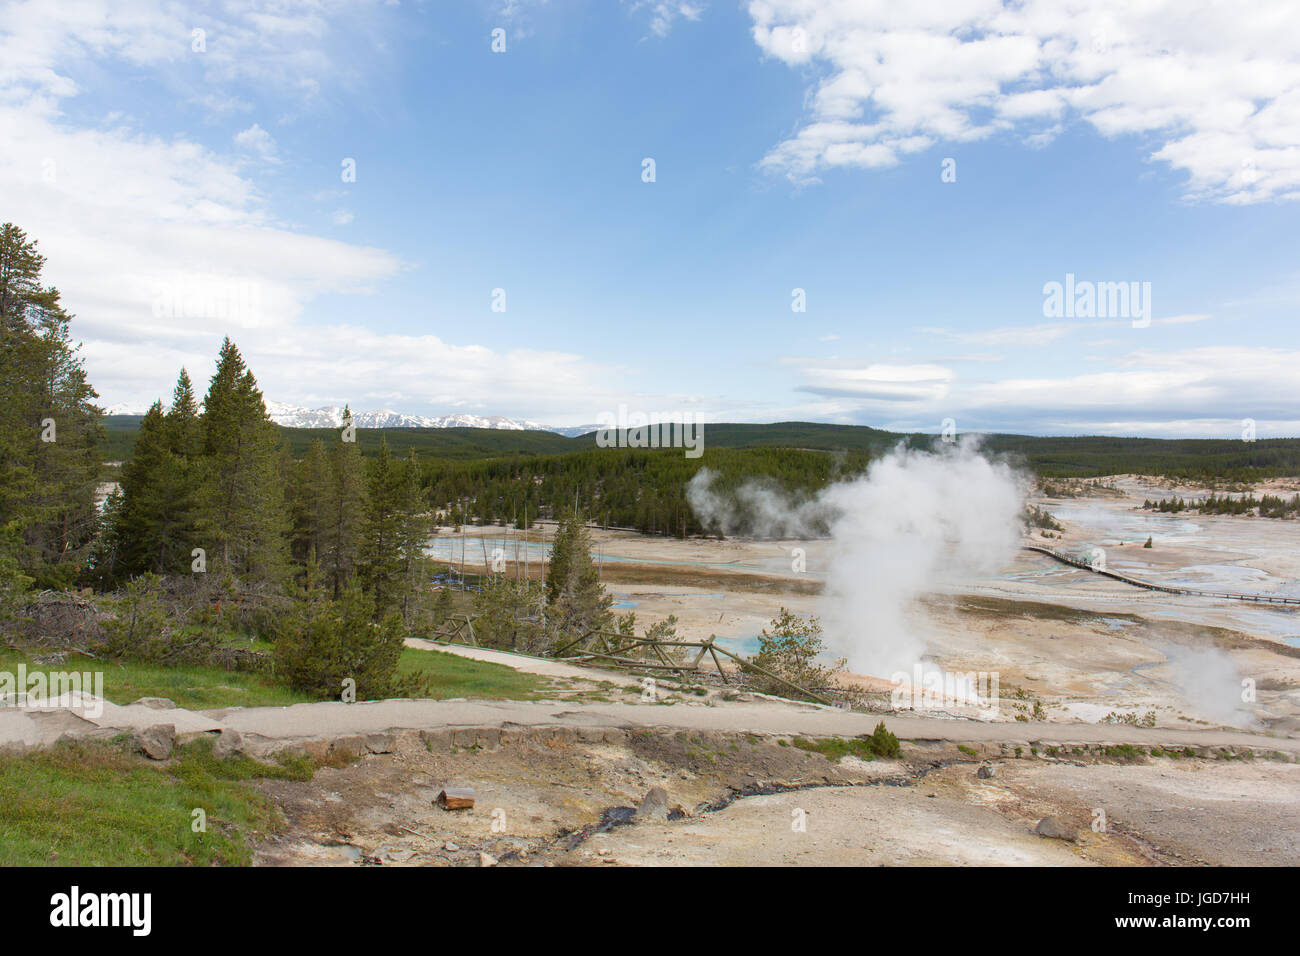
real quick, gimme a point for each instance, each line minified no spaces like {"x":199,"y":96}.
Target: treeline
{"x":1265,"y":506}
{"x":1184,"y":458}
{"x":642,"y":489}
{"x":1048,"y":457}
{"x":213,"y":492}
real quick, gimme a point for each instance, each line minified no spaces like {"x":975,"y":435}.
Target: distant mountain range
{"x":331,"y":416}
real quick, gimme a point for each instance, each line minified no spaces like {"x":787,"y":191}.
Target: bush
{"x":325,"y":643}
{"x":883,"y":742}
{"x":790,"y":650}
{"x":511,"y":614}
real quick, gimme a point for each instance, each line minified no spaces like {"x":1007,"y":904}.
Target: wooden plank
{"x":456,"y":798}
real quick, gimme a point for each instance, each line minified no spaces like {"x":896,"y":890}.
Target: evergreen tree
{"x":246,"y":506}
{"x":310,"y":502}
{"x":148,"y":532}
{"x":159,"y":520}
{"x":382,"y":561}
{"x":341,"y":534}
{"x":413,"y":534}
{"x":49,"y":428}
{"x":576,"y":598}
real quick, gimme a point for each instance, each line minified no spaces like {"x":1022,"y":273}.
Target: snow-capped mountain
{"x":331,"y":416}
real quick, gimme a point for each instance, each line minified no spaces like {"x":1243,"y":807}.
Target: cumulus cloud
{"x":163,"y":245}
{"x":664,"y":13}
{"x":1177,"y":392}
{"x":1216,"y":85}
{"x":257,"y":141}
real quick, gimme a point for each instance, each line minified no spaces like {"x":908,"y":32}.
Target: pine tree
{"x":413,"y":535}
{"x":155,"y":525}
{"x":341,"y":535}
{"x":246,"y":506}
{"x":310,"y":503}
{"x":576,"y":598}
{"x":49,"y":428}
{"x":382,"y":562}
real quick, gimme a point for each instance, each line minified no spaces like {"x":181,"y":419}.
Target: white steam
{"x":916,"y":521}
{"x":1209,"y":681}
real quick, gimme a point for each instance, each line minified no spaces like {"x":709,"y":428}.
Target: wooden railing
{"x":1151,"y":586}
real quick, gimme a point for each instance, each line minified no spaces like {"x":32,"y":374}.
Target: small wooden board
{"x":456,"y":798}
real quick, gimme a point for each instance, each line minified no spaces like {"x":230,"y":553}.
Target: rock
{"x":486,"y":859}
{"x":229,"y":743}
{"x":654,"y":805}
{"x":450,"y":847}
{"x":1053,"y":828}
{"x":351,"y":746}
{"x":155,"y":703}
{"x":379,"y":743}
{"x":157,"y":741}
{"x":985,"y":772}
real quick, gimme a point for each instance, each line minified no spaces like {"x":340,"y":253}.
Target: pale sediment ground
{"x":1081,"y":645}
{"x":1084,"y":644}
{"x":735,"y":799}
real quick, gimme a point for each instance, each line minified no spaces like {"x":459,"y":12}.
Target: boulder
{"x":985,"y":772}
{"x":229,"y":743}
{"x":156,"y":742}
{"x":654,"y":805}
{"x":1054,"y":829}
{"x":486,"y":859}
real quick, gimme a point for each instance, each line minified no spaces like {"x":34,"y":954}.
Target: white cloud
{"x":259,"y":141}
{"x":1217,"y":84}
{"x":664,"y":13}
{"x":879,"y":382}
{"x":1192,"y":391}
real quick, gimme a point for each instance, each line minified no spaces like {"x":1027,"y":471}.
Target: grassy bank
{"x":451,"y":675}
{"x":97,"y":804}
{"x":191,"y":687}
{"x":209,"y":688}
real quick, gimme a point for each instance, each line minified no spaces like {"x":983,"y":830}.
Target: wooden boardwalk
{"x":1168,"y":589}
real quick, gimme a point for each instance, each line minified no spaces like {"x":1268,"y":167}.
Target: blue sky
{"x":796,"y":145}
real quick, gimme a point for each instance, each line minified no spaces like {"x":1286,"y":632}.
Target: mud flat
{"x":1085,"y":645}
{"x":744,"y":799}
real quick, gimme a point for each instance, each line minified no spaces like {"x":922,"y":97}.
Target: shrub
{"x":323,"y":643}
{"x":789,"y":648}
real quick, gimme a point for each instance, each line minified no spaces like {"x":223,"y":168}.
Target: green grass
{"x":450,"y":675}
{"x":194,"y":688}
{"x":209,"y":688}
{"x":97,"y":804}
{"x":881,"y":743}
{"x":1126,"y":753}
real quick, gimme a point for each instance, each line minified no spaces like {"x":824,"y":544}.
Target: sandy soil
{"x":1085,"y":645}
{"x":741,"y":800}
